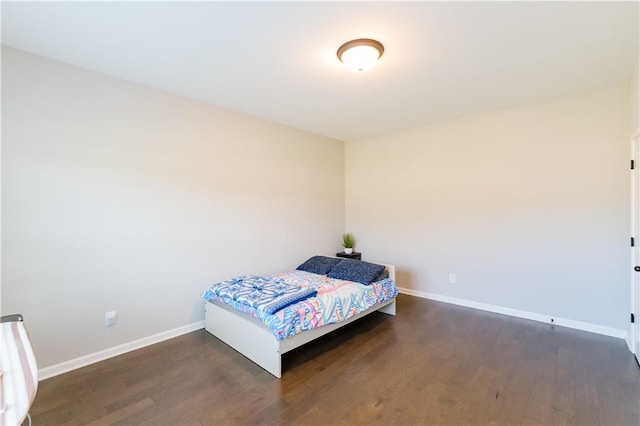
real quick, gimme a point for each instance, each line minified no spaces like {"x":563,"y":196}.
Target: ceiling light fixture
{"x":361,"y":54}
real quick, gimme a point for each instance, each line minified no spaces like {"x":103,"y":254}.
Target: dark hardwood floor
{"x":433,"y":363}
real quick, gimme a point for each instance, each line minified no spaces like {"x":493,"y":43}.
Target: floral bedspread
{"x":336,"y":300}
{"x":265,"y":294}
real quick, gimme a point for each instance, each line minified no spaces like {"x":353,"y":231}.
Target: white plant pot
{"x":348,"y":250}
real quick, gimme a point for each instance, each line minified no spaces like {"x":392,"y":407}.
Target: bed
{"x":331,"y":302}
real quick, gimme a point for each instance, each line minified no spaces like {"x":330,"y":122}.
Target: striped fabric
{"x":18,"y":373}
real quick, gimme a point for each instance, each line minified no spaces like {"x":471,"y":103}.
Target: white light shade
{"x":360,"y":55}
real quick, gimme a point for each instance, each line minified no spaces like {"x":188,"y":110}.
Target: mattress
{"x":335,"y":301}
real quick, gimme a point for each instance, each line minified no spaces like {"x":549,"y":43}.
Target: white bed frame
{"x":253,"y":339}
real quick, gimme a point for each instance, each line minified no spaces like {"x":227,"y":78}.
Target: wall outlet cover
{"x":110,"y":318}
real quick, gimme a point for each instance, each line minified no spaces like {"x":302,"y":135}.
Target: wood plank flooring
{"x":433,"y":363}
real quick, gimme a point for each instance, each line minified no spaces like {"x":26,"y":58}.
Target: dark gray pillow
{"x":356,"y":270}
{"x":384,"y":274}
{"x":320,"y":265}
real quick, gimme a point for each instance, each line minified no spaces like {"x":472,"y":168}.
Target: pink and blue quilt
{"x":334,"y":300}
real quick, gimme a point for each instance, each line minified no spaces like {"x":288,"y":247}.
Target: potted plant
{"x":347,"y":243}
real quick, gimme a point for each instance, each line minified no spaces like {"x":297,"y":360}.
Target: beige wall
{"x":120,"y":197}
{"x":529,"y":207}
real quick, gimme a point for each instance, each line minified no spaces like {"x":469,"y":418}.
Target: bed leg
{"x":273,"y":366}
{"x":389,"y":309}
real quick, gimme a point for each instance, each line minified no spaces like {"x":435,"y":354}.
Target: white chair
{"x":18,"y":371}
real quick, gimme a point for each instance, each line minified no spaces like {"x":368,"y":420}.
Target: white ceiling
{"x":278,"y":60}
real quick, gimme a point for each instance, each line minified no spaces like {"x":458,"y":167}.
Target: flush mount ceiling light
{"x":361,"y":54}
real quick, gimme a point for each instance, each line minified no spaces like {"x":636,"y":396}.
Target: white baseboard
{"x":563,"y":322}
{"x":63,"y":367}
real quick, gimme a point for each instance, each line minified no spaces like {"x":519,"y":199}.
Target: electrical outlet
{"x":452,"y":278}
{"x":110,"y":318}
